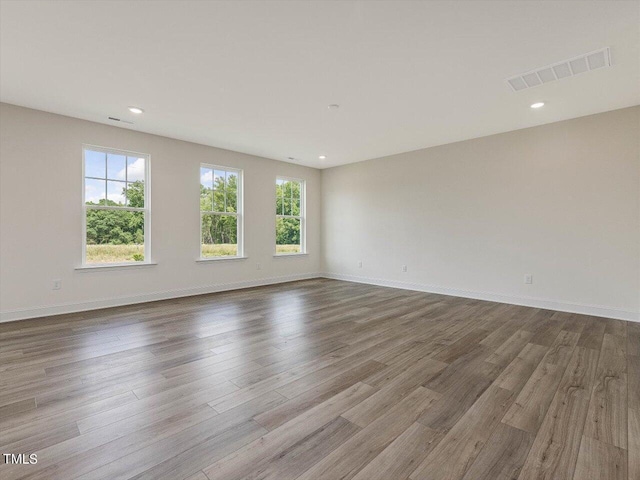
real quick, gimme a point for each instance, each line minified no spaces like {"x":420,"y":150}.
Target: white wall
{"x":41,"y":215}
{"x":559,"y":201}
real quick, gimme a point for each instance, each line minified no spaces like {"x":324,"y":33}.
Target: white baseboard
{"x":595,"y":310}
{"x":47,"y":310}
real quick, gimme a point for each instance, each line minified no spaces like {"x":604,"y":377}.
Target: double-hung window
{"x":290,"y":216}
{"x":220,"y":212}
{"x":116,"y":207}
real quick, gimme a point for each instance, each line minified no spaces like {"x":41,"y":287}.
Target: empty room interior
{"x":320,"y":240}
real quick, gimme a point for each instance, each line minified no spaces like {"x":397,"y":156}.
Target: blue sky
{"x":112,"y":170}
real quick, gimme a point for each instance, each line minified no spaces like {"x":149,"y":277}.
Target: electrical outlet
{"x":258,"y":266}
{"x":528,"y":279}
{"x":57,"y":284}
{"x":360,"y":264}
{"x":404,"y":268}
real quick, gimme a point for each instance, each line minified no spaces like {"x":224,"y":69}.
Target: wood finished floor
{"x":321,"y":379}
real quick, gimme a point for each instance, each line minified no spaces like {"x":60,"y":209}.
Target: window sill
{"x":219,"y":259}
{"x":107,"y":266}
{"x":276,"y":255}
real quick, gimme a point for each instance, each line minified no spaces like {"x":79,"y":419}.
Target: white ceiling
{"x":257,"y":77}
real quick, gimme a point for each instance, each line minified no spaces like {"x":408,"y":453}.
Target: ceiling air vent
{"x":114,"y":119}
{"x":557,"y":71}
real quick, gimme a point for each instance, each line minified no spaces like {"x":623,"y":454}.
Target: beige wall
{"x":559,"y":201}
{"x":41,"y":214}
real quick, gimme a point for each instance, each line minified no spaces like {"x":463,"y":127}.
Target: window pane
{"x":295,"y":207}
{"x":114,"y":236}
{"x":206,"y":189}
{"x":287,"y":206}
{"x":135,"y":169}
{"x":232,"y":192}
{"x":218,"y":200}
{"x":116,"y":166}
{"x":116,"y":193}
{"x":279,"y":202}
{"x":206,"y":177}
{"x":295,"y":192}
{"x":218,"y":191}
{"x":95,"y":191}
{"x":135,"y":194}
{"x":95,"y":164}
{"x":219,"y":235}
{"x":218,"y":179}
{"x":288,"y":235}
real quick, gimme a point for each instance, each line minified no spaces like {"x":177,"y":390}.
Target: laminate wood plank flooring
{"x":321,"y":379}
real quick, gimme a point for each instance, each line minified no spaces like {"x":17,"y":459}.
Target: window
{"x":220,"y":212}
{"x":290,"y":224}
{"x":116,"y":207}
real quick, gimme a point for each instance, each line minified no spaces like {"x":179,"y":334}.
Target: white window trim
{"x":147,"y":210}
{"x":302,"y":217}
{"x":114,"y":266}
{"x":239,"y":215}
{"x":219,"y":259}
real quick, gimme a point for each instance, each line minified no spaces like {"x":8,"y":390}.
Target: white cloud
{"x":115,"y":192}
{"x":206,"y":178}
{"x":93,"y":192}
{"x":136,"y":171}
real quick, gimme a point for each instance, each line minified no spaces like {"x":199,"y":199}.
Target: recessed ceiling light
{"x":334,"y":106}
{"x":537,"y":105}
{"x":322,"y":157}
{"x":136,"y":110}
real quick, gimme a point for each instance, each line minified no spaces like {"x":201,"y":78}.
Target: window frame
{"x":146,"y":209}
{"x":239,"y":214}
{"x":302,"y":217}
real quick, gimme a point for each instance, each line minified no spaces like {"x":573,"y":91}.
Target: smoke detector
{"x":557,"y":71}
